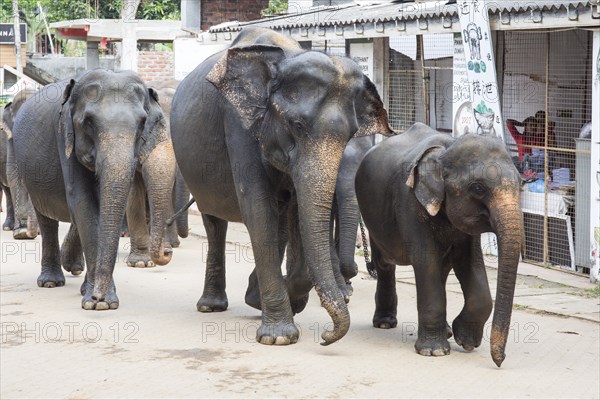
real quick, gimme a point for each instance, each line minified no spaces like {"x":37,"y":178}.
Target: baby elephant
{"x":426,"y":198}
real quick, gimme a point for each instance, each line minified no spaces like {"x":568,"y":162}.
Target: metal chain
{"x":370,"y":266}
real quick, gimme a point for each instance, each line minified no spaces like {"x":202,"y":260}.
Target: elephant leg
{"x":139,"y":255}
{"x":171,"y":236}
{"x":470,"y":271}
{"x":9,"y":222}
{"x":51,"y":274}
{"x":386,"y":298}
{"x":297,"y":280}
{"x":33,"y":227}
{"x":214,"y":297}
{"x":431,"y":303}
{"x":71,"y":252}
{"x":85,"y":215}
{"x":252,"y":297}
{"x":20,"y":197}
{"x":182,"y":195}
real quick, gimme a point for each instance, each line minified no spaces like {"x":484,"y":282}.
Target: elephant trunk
{"x":159,"y":177}
{"x":507,"y":222}
{"x":115,"y":167}
{"x":314,"y":181}
{"x":348,"y":226}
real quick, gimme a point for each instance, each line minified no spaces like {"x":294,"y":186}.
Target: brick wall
{"x":155,"y":65}
{"x":214,"y":12}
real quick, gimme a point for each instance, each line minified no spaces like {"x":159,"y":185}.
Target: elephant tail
{"x":180,"y":212}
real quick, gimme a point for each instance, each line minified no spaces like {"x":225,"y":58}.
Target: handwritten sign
{"x":479,"y":85}
{"x":362,"y":54}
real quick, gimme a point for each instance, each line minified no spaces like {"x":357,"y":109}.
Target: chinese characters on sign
{"x":476,"y":97}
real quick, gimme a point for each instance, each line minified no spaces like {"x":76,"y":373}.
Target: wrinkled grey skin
{"x":345,"y":213}
{"x":426,"y":198}
{"x":103,"y":142}
{"x":343,"y":225}
{"x":259,"y":131}
{"x":181,"y":194}
{"x":20,"y":217}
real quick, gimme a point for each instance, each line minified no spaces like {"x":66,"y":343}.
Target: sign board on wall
{"x":7,"y":33}
{"x":362,"y":54}
{"x":478,"y":62}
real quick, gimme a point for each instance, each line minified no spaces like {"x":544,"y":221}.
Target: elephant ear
{"x":155,"y":128}
{"x":6,"y":120}
{"x":425,"y":177}
{"x":245,"y":76}
{"x":370,"y":113}
{"x":65,"y":124}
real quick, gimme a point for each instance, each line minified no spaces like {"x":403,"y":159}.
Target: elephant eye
{"x":477,"y":189}
{"x":297,"y":124}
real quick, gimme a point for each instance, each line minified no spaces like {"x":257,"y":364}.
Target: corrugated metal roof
{"x":350,"y":14}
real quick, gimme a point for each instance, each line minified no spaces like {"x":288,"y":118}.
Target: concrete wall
{"x":66,"y":67}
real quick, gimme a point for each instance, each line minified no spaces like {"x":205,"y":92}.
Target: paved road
{"x":157,"y":345}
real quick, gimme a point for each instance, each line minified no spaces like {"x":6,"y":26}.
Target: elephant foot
{"x":252,"y":297}
{"x":33,"y":228}
{"x":468,"y":335}
{"x":50,"y":277}
{"x":298,"y":304}
{"x":349,"y":288}
{"x":349,"y":271}
{"x":212,"y":303}
{"x":139,"y":260}
{"x":91,"y":302}
{"x":432,"y":346}
{"x":74,"y":268}
{"x":8,"y":224}
{"x":22,"y":233}
{"x":384,"y":320}
{"x":277,"y":334}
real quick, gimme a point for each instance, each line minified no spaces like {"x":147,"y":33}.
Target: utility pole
{"x":17,"y":28}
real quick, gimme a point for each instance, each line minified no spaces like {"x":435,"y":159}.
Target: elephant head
{"x":476,"y":196}
{"x":303,"y":108}
{"x":113,"y":126}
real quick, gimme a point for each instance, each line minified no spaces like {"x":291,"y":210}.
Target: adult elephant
{"x":426,"y":198}
{"x":20,"y":217}
{"x":102,"y":140}
{"x":259,"y":131}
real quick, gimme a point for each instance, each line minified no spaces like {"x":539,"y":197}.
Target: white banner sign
{"x":362,"y":54}
{"x":477,"y":105}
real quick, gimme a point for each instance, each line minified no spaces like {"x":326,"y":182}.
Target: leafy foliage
{"x":64,"y":10}
{"x":275,"y":7}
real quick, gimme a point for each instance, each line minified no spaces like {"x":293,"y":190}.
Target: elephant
{"x":259,"y":130}
{"x":181,"y":194}
{"x":346,"y":215}
{"x":102,"y":139}
{"x":344,"y":221}
{"x":426,"y":198}
{"x":20,"y":217}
